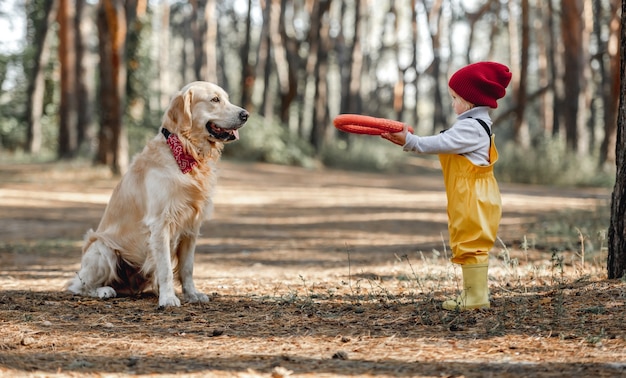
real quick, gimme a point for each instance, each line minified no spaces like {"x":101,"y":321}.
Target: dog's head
{"x":202,"y":114}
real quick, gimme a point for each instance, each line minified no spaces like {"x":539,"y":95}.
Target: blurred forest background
{"x":88,"y":79}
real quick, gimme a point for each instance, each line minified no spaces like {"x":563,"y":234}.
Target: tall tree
{"x":263,"y":54}
{"x":609,"y":78}
{"x":616,"y":261}
{"x":210,"y":68}
{"x":43,"y":15}
{"x":247,"y":80}
{"x":351,"y":61}
{"x":434,"y":14}
{"x":575,"y":80}
{"x":520,"y":127}
{"x":83,"y":103}
{"x":291,"y":45}
{"x":197,"y":22}
{"x":68,"y":115}
{"x":320,"y":47}
{"x":113,"y":144}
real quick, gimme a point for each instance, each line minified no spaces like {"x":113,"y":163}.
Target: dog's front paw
{"x":196,"y":297}
{"x":170,"y":301}
{"x":105,"y":292}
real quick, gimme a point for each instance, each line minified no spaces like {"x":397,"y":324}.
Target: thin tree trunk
{"x":520,"y":127}
{"x":263,"y":55}
{"x":247,"y":82}
{"x":280,"y":56}
{"x":82,"y":93}
{"x":113,"y":144}
{"x":554,"y":62}
{"x":163,"y":62}
{"x":610,"y":88}
{"x":319,"y":74}
{"x":434,"y":14}
{"x":210,"y":42}
{"x":36,"y":84}
{"x":355,"y":103}
{"x":546,"y":100}
{"x":68,"y":116}
{"x":616,"y":261}
{"x":197,"y":37}
{"x":413,"y":66}
{"x":572,"y":33}
{"x":290,"y":46}
{"x":399,"y":87}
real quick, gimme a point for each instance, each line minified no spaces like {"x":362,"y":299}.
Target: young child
{"x":467,"y":153}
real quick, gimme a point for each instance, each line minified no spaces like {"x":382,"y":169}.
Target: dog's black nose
{"x":243,"y":116}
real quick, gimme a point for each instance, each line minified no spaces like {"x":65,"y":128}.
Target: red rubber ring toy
{"x":361,"y":124}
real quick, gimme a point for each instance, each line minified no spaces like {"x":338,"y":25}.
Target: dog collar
{"x":185,"y":161}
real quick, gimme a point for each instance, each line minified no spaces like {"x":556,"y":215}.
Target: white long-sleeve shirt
{"x":466,"y":137}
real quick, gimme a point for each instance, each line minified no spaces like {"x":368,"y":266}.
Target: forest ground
{"x":314,"y":273}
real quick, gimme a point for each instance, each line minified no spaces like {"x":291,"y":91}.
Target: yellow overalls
{"x":474,"y":206}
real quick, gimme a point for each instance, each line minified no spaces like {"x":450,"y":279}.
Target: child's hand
{"x":398,"y":138}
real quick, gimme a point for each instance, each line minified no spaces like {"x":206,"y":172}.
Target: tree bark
{"x":434,"y":14}
{"x":263,"y":52}
{"x":209,"y":71}
{"x":616,"y":261}
{"x":83,"y":102}
{"x":36,"y":84}
{"x":68,"y":116}
{"x":247,"y":82}
{"x":521,"y":133}
{"x":354,"y":101}
{"x":113,"y":146}
{"x":610,"y":87}
{"x":321,"y":118}
{"x":572,"y":32}
{"x":196,"y":24}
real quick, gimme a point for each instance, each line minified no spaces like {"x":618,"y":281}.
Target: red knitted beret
{"x":481,"y":83}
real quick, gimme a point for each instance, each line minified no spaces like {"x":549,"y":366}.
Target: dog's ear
{"x":179,"y":113}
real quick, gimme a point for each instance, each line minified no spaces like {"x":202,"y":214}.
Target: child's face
{"x":459,"y":104}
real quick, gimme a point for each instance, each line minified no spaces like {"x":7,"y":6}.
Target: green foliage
{"x":362,"y":153}
{"x":549,"y":163}
{"x":262,"y":140}
{"x":12,"y":111}
{"x":272,"y":142}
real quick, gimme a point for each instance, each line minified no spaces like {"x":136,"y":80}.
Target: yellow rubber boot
{"x":475,"y":292}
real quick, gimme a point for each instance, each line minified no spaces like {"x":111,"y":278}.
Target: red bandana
{"x":185,"y":161}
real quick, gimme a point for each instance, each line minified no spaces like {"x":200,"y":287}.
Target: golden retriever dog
{"x":147,"y":235}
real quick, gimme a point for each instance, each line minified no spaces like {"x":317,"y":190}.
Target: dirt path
{"x":312,"y":273}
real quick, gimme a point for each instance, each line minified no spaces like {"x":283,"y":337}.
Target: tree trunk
{"x":247,"y":82}
{"x":554,"y":62}
{"x":546,"y":100}
{"x":165,"y":86}
{"x":520,"y":127}
{"x":113,"y":146}
{"x":280,"y":56}
{"x":68,"y":116}
{"x":36,"y":84}
{"x":209,"y":71}
{"x":263,"y":54}
{"x":610,"y":87}
{"x":616,"y":262}
{"x":572,"y":28}
{"x":434,"y":14}
{"x":354,"y":102}
{"x":82,"y":93}
{"x":196,"y":24}
{"x":414,"y":58}
{"x":321,"y":41}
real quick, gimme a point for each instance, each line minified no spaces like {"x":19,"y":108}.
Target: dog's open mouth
{"x":224,"y":135}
